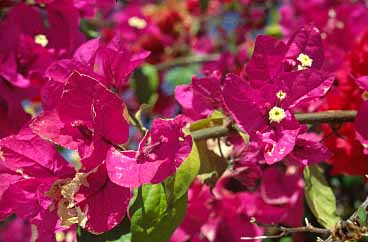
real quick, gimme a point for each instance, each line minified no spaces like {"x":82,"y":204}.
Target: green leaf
{"x":286,"y":239}
{"x":151,"y":73}
{"x":362,"y":214}
{"x":156,"y":210}
{"x":88,"y":29}
{"x":181,"y":75}
{"x":320,"y":197}
{"x":156,"y":217}
{"x":274,"y":30}
{"x":145,"y":83}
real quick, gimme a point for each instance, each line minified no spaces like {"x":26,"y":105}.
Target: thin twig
{"x":285,"y":231}
{"x":187,"y":60}
{"x":332,"y":116}
{"x":308,"y":228}
{"x":213,"y":132}
{"x":117,"y":147}
{"x":137,"y":123}
{"x":276,"y":236}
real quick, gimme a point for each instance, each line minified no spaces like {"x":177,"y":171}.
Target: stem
{"x":332,"y":116}
{"x":214,"y":132}
{"x":187,"y":60}
{"x":308,"y":228}
{"x":117,"y":147}
{"x":336,"y":116}
{"x":137,"y":123}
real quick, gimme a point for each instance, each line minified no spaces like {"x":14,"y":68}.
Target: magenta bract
{"x":86,"y":118}
{"x":155,"y":160}
{"x":279,"y":77}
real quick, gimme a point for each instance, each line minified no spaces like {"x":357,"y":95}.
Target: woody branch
{"x":332,"y":117}
{"x":283,"y":231}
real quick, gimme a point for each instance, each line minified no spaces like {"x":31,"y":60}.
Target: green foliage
{"x":362,"y":214}
{"x":145,"y":83}
{"x":320,"y":197}
{"x":152,"y":75}
{"x":155,"y":216}
{"x":181,"y":75}
{"x":88,"y":30}
{"x":156,"y":210}
{"x":274,"y":30}
{"x":286,"y":239}
{"x":212,"y":166}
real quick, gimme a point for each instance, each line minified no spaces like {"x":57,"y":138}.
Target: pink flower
{"x":270,"y":198}
{"x":29,"y":165}
{"x":101,"y":190}
{"x":308,"y":150}
{"x":201,"y":97}
{"x":214,"y":219}
{"x":198,"y":214}
{"x":13,"y":116}
{"x":273,"y":196}
{"x":340,"y":23}
{"x":279,"y":78}
{"x":88,"y":118}
{"x":360,"y":125}
{"x":283,"y":189}
{"x":147,"y":30}
{"x":86,"y":8}
{"x":106,"y":60}
{"x":43,"y":188}
{"x":28,"y":47}
{"x":154,"y":161}
{"x":17,"y":230}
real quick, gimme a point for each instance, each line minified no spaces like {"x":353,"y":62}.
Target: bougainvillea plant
{"x":183,"y":121}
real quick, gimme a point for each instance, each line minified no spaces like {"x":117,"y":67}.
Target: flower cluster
{"x":182,"y":117}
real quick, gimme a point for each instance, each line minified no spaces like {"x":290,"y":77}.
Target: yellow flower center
{"x":276,"y":114}
{"x":41,"y":39}
{"x":281,"y":95}
{"x":305,"y":61}
{"x":60,"y":236}
{"x":137,"y":22}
